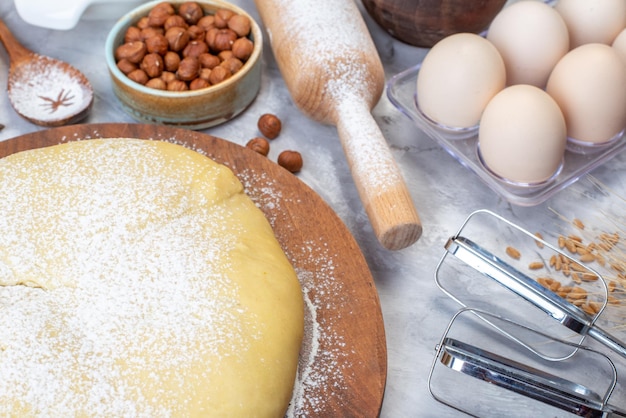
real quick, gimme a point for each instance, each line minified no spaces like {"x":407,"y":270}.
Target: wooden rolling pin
{"x":333,"y":72}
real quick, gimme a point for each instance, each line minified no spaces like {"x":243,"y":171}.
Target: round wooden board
{"x":344,"y":357}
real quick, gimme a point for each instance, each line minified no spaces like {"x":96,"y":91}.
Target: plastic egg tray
{"x":463,"y":146}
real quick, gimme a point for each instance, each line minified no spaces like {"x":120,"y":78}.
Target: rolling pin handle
{"x":378,"y":179}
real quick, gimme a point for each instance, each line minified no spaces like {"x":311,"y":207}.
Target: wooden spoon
{"x":44,"y":90}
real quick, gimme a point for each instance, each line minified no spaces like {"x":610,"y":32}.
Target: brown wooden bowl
{"x":425,"y":22}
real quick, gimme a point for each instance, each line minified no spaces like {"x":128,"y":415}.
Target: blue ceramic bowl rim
{"x":134,"y":15}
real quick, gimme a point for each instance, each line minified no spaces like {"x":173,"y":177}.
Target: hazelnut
{"x":290,"y":160}
{"x":196,"y":33}
{"x":260,"y":145}
{"x":177,"y":38}
{"x":132,"y":51}
{"x":138,"y":76}
{"x":232,"y":64}
{"x":174,"y":21}
{"x":150,"y":32}
{"x":171,"y":61}
{"x":269,"y":125}
{"x":219,"y":74}
{"x":152,"y":64}
{"x":133,"y":33}
{"x":209,"y":38}
{"x":188,"y":69}
{"x":242,"y":48}
{"x":126,"y":66}
{"x":159,"y":14}
{"x":208,"y":60}
{"x":207,"y":22}
{"x":224,"y":55}
{"x":195,"y":49}
{"x":157,"y":44}
{"x":191,"y":12}
{"x":198,"y":83}
{"x":168,"y":76}
{"x":142,"y":23}
{"x":205,"y":74}
{"x":224,"y":39}
{"x":157,"y":83}
{"x":222,"y":16}
{"x":177,"y":85}
{"x":240,"y":24}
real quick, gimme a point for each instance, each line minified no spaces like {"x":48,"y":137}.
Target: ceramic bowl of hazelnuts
{"x":192,"y":64}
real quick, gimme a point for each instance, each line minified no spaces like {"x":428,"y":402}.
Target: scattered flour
{"x":323,"y":367}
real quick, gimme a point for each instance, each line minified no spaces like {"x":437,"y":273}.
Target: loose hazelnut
{"x":260,"y":145}
{"x":224,"y":40}
{"x":240,"y":24}
{"x":191,"y":12}
{"x":222,"y":16}
{"x":177,"y":38}
{"x":174,"y":21}
{"x":126,"y":66}
{"x":269,"y":125}
{"x":138,"y":76}
{"x":152,"y":64}
{"x":159,"y":14}
{"x":242,"y":48}
{"x":291,"y":160}
{"x":208,"y":60}
{"x":157,"y":44}
{"x":132,"y":51}
{"x":195,"y":49}
{"x":171,"y":61}
{"x":198,"y":83}
{"x":188,"y":69}
{"x":157,"y":83}
{"x":177,"y":85}
{"x":219,"y":74}
{"x":133,"y":33}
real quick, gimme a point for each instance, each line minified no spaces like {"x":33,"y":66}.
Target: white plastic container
{"x":65,"y":14}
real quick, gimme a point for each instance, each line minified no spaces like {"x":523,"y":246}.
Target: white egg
{"x":522,"y":135}
{"x":589,"y":84}
{"x":592,"y":21}
{"x":531,"y":38}
{"x":619,"y":44}
{"x":458,"y":76}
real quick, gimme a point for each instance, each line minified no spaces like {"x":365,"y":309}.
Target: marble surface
{"x":415,"y":311}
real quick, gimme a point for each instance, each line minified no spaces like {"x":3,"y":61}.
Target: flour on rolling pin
{"x":333,"y":72}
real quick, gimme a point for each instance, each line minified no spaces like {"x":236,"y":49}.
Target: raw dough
{"x":137,"y":279}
